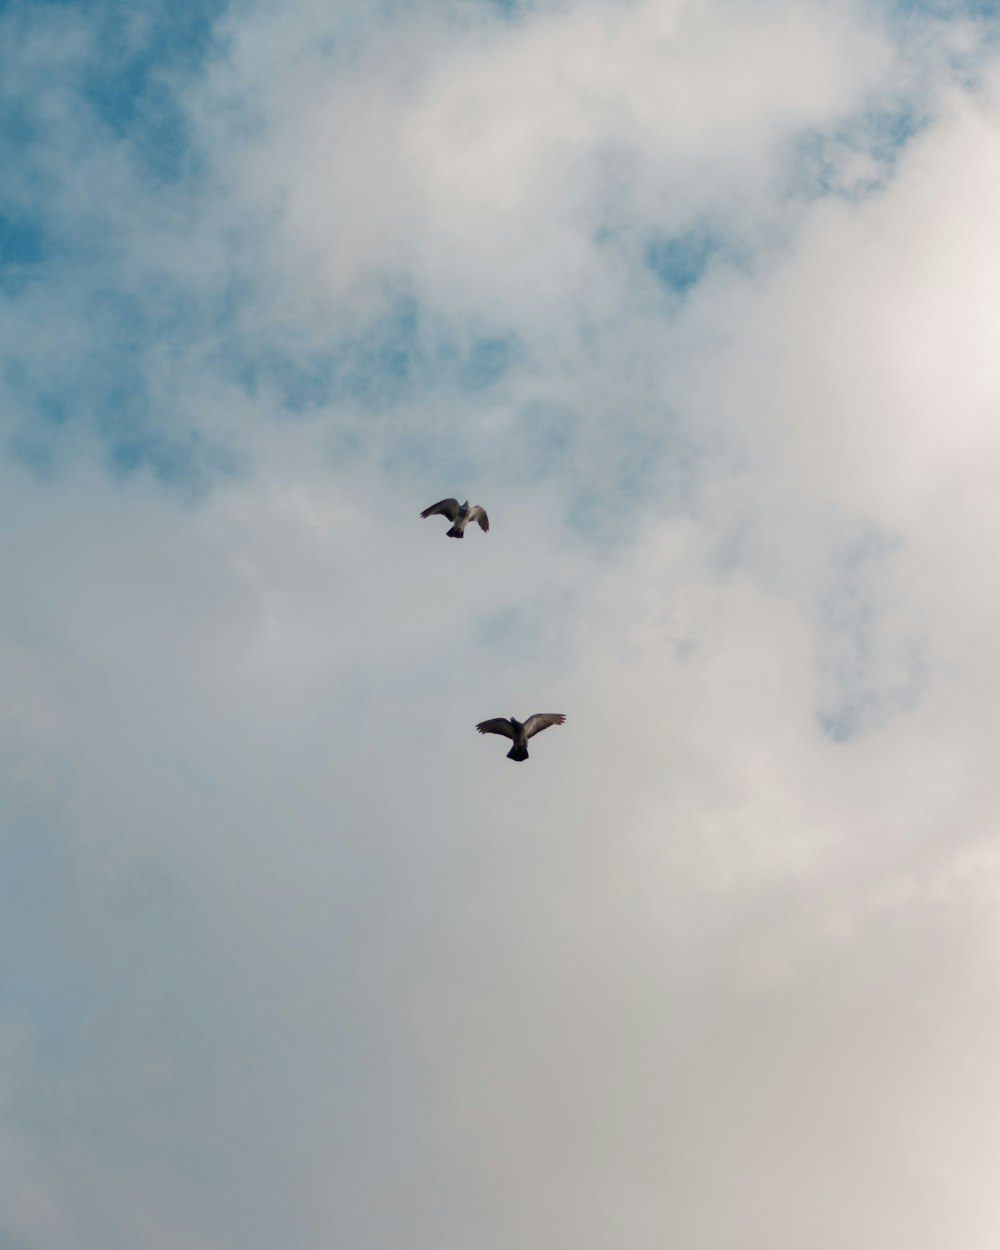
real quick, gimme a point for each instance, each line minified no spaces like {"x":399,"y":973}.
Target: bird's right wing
{"x":499,"y":725}
{"x":479,"y":514}
{"x":541,"y":720}
{"x":447,"y":507}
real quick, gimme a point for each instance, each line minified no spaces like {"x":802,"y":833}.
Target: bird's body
{"x":459,"y":514}
{"x":520,"y":731}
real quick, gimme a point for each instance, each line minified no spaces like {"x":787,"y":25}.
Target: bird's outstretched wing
{"x":479,"y":514}
{"x":499,"y":725}
{"x":541,"y":720}
{"x":447,"y":507}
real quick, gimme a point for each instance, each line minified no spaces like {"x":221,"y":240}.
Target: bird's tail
{"x":455,"y":532}
{"x":517,"y":753}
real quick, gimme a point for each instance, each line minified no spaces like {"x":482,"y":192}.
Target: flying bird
{"x":520,"y":733}
{"x":459,"y":515}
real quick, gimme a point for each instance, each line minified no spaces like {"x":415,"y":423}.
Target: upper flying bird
{"x":520,"y":733}
{"x":459,"y":515}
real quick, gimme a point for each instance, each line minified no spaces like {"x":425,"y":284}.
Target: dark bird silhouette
{"x":459,"y":515}
{"x":520,"y":732}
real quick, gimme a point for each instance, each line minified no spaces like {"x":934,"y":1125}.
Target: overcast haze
{"x":701,"y":301}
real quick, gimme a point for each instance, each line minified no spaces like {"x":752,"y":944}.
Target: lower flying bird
{"x":459,"y":515}
{"x":520,"y":733}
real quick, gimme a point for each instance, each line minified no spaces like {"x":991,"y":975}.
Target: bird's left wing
{"x":541,"y":720}
{"x":447,"y":507}
{"x":479,"y":514}
{"x":499,"y":725}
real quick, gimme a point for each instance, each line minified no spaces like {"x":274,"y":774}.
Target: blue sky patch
{"x":488,"y":361}
{"x":948,"y":8}
{"x":22,"y":241}
{"x":680,"y":261}
{"x":871,"y":667}
{"x":823,"y":162}
{"x":185,"y":463}
{"x":303,"y":382}
{"x":24,"y":246}
{"x":131,"y":88}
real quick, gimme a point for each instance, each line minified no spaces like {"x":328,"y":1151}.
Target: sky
{"x":701,"y":301}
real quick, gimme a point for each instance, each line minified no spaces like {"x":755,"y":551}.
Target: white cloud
{"x":306,"y":961}
{"x":482,"y":160}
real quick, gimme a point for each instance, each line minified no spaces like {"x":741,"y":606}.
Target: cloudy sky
{"x":702,"y":301}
